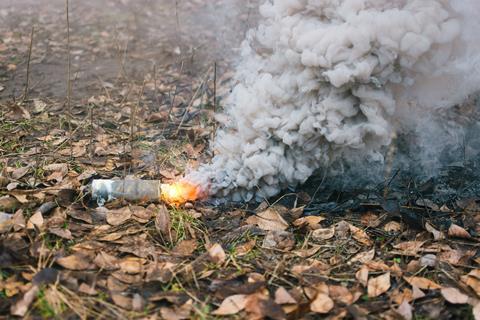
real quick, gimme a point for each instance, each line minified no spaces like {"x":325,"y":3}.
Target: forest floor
{"x":141,"y":105}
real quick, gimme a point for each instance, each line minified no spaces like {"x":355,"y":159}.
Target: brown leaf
{"x":341,"y":294}
{"x":20,"y":172}
{"x":308,"y":252}
{"x":323,"y":234}
{"x":20,"y":308}
{"x":162,"y":222}
{"x":379,"y":285}
{"x":453,"y":295}
{"x":62,"y":233}
{"x":35,"y":221}
{"x":117,"y":217}
{"x":280,"y":240}
{"x":321,"y":304}
{"x":75,"y":262}
{"x":231,"y":305}
{"x":181,"y":313}
{"x":121,"y":300}
{"x":8,"y":204}
{"x":393,"y":227}
{"x":216,"y":253}
{"x":259,"y":307}
{"x":106,"y":261}
{"x":86,"y":289}
{"x":311,"y":222}
{"x":283,"y":297}
{"x":422,"y":283}
{"x":362,"y":275}
{"x":360,"y":235}
{"x":185,"y":247}
{"x":60,"y":170}
{"x":81,"y":215}
{"x":472,"y":281}
{"x":270,"y":220}
{"x":437,"y":235}
{"x":363,"y":257}
{"x":245,"y":248}
{"x":455,"y":257}
{"x":370,"y":219}
{"x":476,"y":311}
{"x":417,"y":293}
{"x":131,"y":265}
{"x":405,"y":310}
{"x":409,"y":247}
{"x":456,"y":231}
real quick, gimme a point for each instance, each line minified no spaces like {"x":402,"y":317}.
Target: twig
{"x":214,"y":96}
{"x":172,"y":102}
{"x":191,"y":103}
{"x":27,"y":82}
{"x":69,"y":80}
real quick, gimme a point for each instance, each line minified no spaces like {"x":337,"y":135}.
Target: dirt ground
{"x":142,"y":104}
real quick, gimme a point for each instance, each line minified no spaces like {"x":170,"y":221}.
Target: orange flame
{"x":178,"y":193}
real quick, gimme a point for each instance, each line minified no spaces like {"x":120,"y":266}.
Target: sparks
{"x":180,"y":192}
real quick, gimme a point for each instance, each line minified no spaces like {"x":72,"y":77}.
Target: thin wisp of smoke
{"x":323,"y":82}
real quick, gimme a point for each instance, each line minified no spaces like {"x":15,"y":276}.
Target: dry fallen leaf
{"x":453,"y":295}
{"x":476,"y":311}
{"x":341,"y":294}
{"x":323,"y":234}
{"x":105,"y":261}
{"x":185,"y":247}
{"x":437,"y":235}
{"x":472,"y":280}
{"x":456,"y":231}
{"x":75,"y":262}
{"x":311,"y":222}
{"x":270,"y":220}
{"x":417,"y":293}
{"x":422,"y":283}
{"x":409,"y":247}
{"x":280,"y":240}
{"x":20,"y":308}
{"x":360,"y":235}
{"x":231,"y":305}
{"x":245,"y":248}
{"x":321,"y":304}
{"x":260,"y":306}
{"x":35,"y":221}
{"x":216,"y":253}
{"x":378,"y":285}
{"x":405,"y":310}
{"x":283,"y":297}
{"x":117,"y":217}
{"x":362,"y":275}
{"x":162,"y":222}
{"x":131,"y":265}
{"x":363,"y":257}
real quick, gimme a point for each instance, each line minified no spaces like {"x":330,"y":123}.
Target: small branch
{"x":69,"y":80}
{"x":27,"y":82}
{"x":191,"y":102}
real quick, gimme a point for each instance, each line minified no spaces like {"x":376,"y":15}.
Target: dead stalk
{"x":27,"y":81}
{"x":214,"y":96}
{"x":69,"y":79}
{"x":172,"y":103}
{"x":202,"y":83}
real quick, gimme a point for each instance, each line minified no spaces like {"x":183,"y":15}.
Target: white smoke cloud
{"x":321,"y":81}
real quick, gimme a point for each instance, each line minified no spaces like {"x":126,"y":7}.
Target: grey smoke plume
{"x":323,"y":82}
